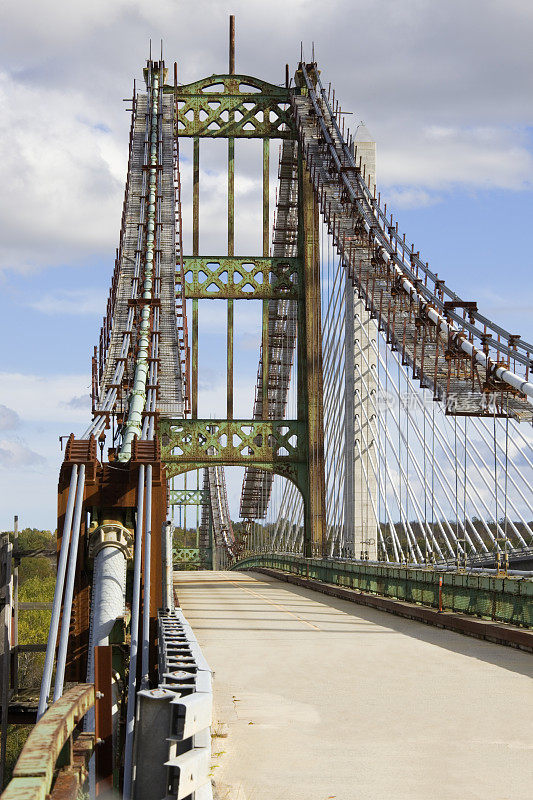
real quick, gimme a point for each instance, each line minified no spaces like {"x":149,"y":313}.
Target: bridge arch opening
{"x":215,"y":524}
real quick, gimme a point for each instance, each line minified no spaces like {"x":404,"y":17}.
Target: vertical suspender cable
{"x":457,"y":545}
{"x":132,"y":679}
{"x":465,"y":489}
{"x":505,"y":540}
{"x":433,"y":468}
{"x":58,"y":596}
{"x":69,"y":590}
{"x":496,"y":531}
{"x":425,"y":479}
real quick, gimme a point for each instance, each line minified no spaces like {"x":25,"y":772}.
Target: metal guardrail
{"x":503,"y":599}
{"x":37,"y":764}
{"x":173,"y":726}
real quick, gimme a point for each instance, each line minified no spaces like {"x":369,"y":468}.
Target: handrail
{"x":34,"y":771}
{"x":481,"y":593}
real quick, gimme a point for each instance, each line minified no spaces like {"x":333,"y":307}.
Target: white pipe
{"x":109,"y":600}
{"x":58,"y":596}
{"x":146,"y":571}
{"x":166,"y":536}
{"x":132,"y":680}
{"x":133,"y":426}
{"x":69,"y":590}
{"x":109,"y":588}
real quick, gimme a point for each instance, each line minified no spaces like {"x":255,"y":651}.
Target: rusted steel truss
{"x":403,"y":304}
{"x":274,"y":373}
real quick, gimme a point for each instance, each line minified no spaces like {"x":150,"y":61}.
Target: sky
{"x":445,"y":89}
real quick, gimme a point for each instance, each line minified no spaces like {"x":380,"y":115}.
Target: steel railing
{"x":489,"y":596}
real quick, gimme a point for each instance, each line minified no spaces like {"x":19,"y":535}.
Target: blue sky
{"x":449,"y":105}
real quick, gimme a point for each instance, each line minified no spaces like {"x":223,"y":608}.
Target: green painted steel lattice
{"x":187,"y":497}
{"x":234,"y":106}
{"x":275,"y":445}
{"x":249,"y":278}
{"x":186,"y":555}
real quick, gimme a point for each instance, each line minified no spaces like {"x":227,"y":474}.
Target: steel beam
{"x":186,"y":497}
{"x":195,"y":251}
{"x":265,"y":343}
{"x":233,"y":106}
{"x":242,"y":278}
{"x":314,"y":502}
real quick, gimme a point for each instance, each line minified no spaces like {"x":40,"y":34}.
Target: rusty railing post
{"x":103,"y":720}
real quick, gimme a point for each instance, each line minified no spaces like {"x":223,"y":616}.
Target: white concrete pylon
{"x":366,"y":149}
{"x":361,"y":525}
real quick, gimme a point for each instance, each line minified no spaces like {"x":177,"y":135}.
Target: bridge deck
{"x":323,"y":699}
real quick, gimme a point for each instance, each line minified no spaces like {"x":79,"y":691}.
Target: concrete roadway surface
{"x":322,"y":699}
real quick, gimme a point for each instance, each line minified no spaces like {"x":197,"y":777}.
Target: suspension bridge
{"x":387,"y":464}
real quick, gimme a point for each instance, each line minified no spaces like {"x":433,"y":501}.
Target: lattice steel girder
{"x":232,"y":442}
{"x":242,"y":278}
{"x":233,"y":106}
{"x":188,"y":555}
{"x":187,"y":497}
{"x":278,"y":446}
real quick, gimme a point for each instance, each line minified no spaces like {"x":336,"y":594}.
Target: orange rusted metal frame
{"x":103,"y":724}
{"x":36,"y":767}
{"x":110,"y":489}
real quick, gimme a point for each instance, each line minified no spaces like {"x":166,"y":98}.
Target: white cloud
{"x":410,"y":197}
{"x":447,"y":104}
{"x":47,"y":407}
{"x":65,"y":177}
{"x":71,"y":301}
{"x":249,"y":341}
{"x":16,"y":455}
{"x":9,"y":419}
{"x":213,"y":201}
{"x":83,"y":401}
{"x":77,"y":20}
{"x":438,"y":157}
{"x":212,"y":400}
{"x":213,"y":315}
{"x":45,"y":399}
